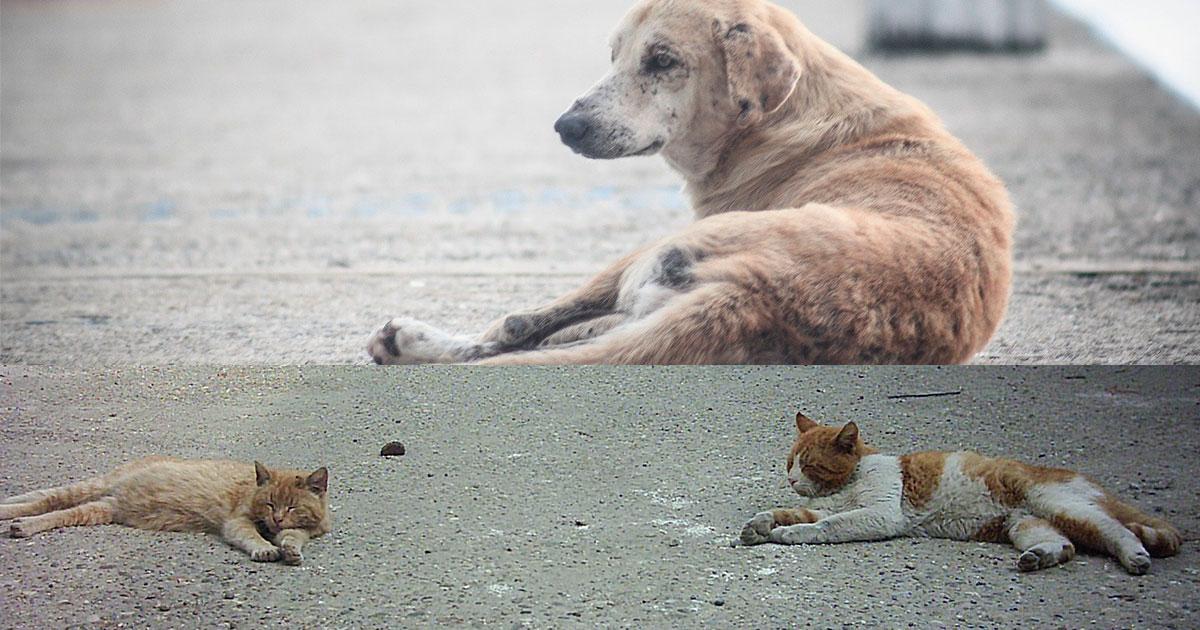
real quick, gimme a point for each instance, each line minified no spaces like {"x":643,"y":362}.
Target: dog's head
{"x":683,"y":71}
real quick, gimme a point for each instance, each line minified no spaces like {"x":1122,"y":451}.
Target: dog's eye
{"x":659,"y":62}
{"x":663,"y":61}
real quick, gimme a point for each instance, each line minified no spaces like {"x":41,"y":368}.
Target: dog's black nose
{"x":572,"y":127}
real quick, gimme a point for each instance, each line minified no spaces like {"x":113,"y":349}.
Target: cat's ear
{"x":261,"y":474}
{"x":318,"y":481}
{"x":847,"y":438}
{"x":803,"y":423}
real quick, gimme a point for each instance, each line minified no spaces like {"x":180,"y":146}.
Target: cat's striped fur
{"x":268,"y":513}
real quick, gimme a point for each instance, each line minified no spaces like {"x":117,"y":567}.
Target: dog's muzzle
{"x":587,"y":133}
{"x":575,"y":129}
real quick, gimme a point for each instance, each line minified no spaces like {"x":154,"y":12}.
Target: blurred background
{"x":269,"y":182}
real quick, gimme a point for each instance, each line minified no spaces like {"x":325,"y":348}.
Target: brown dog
{"x":838,"y":221}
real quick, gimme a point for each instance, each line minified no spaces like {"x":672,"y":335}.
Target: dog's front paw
{"x":406,"y":341}
{"x":758,"y":529}
{"x":383,"y":346}
{"x":265,"y":554}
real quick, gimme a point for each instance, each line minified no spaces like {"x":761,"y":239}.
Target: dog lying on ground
{"x":837,"y":220}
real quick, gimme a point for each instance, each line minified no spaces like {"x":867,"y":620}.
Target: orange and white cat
{"x":856,"y":494}
{"x":268,"y":513}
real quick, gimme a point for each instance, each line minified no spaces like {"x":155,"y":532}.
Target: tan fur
{"x":828,"y":454}
{"x":1009,"y":481}
{"x":1044,"y":512}
{"x":237,"y":500}
{"x":994,"y":530}
{"x":787,"y":516}
{"x":1160,"y":537}
{"x":1080,"y":532}
{"x":838,"y":220}
{"x":922,"y":472}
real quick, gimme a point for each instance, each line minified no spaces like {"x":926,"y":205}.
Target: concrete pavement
{"x":229,"y":182}
{"x":584,"y":497}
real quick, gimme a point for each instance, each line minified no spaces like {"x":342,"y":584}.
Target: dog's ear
{"x":761,"y":71}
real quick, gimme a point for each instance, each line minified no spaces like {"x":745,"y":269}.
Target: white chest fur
{"x":877,"y":481}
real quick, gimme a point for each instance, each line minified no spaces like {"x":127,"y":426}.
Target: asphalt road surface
{"x":585,"y":497}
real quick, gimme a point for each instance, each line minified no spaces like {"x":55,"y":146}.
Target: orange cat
{"x":241,"y":502}
{"x":855,"y":494}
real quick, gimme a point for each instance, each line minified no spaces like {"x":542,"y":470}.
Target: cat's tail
{"x":1159,"y":537}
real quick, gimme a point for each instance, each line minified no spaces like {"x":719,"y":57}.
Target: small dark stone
{"x":718,"y":602}
{"x":392,"y":449}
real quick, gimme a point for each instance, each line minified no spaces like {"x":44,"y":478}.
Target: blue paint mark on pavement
{"x":160,"y":210}
{"x":504,"y":201}
{"x":509,"y":201}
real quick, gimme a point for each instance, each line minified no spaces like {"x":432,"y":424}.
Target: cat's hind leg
{"x":58,"y":498}
{"x":1159,"y":537}
{"x":17,"y":510}
{"x":1077,"y":509}
{"x":93,"y":513}
{"x":51,"y":499}
{"x":1100,"y":532}
{"x":1040,"y":544}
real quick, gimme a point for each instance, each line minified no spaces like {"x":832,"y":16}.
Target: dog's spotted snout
{"x":573,"y":127}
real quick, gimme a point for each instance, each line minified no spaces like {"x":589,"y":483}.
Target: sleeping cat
{"x":269,"y":514}
{"x":855,"y":494}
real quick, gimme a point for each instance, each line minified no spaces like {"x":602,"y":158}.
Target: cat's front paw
{"x":801,"y":534}
{"x":290,"y":553}
{"x":758,"y":529}
{"x":265,"y":554}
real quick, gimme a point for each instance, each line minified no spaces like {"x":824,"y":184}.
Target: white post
{"x":978,"y":24}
